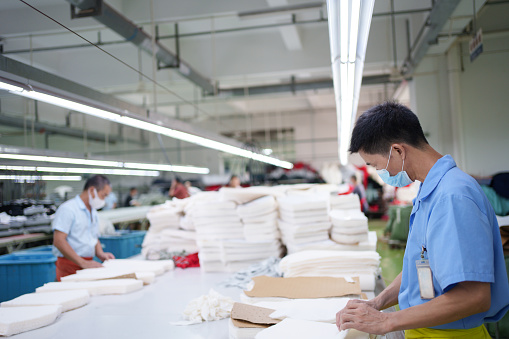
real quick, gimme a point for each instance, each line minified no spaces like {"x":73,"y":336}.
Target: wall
{"x":463,"y":105}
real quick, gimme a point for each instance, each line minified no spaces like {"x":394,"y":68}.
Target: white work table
{"x":146,"y":313}
{"x":143,"y":314}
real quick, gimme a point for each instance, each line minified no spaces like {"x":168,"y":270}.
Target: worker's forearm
{"x":464,"y":300}
{"x":389,"y":296}
{"x":63,"y":246}
{"x":98,"y":249}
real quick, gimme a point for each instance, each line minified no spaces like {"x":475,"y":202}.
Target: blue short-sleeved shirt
{"x":81,"y":227}
{"x":454,"y":221}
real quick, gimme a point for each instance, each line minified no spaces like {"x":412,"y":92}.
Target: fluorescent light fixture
{"x":267,"y":151}
{"x":168,"y":168}
{"x":141,"y":124}
{"x":349,"y":22}
{"x":106,"y":171}
{"x":135,"y":169}
{"x":33,"y":178}
{"x":61,"y":160}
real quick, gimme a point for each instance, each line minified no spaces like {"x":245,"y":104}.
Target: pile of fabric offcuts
{"x":362,"y":264}
{"x":303,"y":219}
{"x":166,"y":235}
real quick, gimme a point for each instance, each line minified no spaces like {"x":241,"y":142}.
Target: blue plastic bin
{"x":45,"y":249}
{"x":123,"y":244}
{"x":23,"y":272}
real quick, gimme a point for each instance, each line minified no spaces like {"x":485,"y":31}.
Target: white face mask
{"x":95,"y":202}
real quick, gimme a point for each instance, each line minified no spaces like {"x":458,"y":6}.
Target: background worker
{"x":453,"y":243}
{"x":76,"y":229}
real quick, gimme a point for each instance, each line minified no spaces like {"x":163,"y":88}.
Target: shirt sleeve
{"x":64,"y":219}
{"x":459,"y":242}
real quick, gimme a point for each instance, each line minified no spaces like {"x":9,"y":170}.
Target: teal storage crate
{"x":44,"y":248}
{"x":23,"y":272}
{"x":123,"y":244}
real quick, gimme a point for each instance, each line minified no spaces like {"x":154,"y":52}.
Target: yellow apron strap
{"x":473,"y":333}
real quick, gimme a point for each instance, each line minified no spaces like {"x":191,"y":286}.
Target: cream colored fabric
{"x":321,"y":309}
{"x":68,"y":300}
{"x":14,"y":320}
{"x":91,"y":274}
{"x":156,"y":266}
{"x":98,"y":287}
{"x":301,"y":329}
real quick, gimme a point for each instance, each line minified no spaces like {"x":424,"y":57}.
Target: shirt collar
{"x":81,"y":204}
{"x":442,"y":166}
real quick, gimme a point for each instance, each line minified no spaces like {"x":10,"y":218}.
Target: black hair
{"x":178,"y":179}
{"x":98,"y":181}
{"x":132,"y":189}
{"x":382,"y":125}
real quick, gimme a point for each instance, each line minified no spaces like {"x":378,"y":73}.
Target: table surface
{"x":146,"y":313}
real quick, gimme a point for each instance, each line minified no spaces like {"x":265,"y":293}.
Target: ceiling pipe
{"x":438,"y":17}
{"x":118,"y":23}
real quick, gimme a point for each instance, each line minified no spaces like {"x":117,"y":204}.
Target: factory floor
{"x":392,"y":258}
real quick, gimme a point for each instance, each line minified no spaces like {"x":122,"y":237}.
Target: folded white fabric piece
{"x":235,"y":332}
{"x":101,"y":273}
{"x":210,"y":307}
{"x":68,"y":300}
{"x":14,"y":320}
{"x":320,"y":309}
{"x":258,"y":206}
{"x":271,"y":215}
{"x":349,"y":238}
{"x":301,"y":329}
{"x":97,"y":287}
{"x":302,"y":202}
{"x":348,"y":201}
{"x":156,"y":266}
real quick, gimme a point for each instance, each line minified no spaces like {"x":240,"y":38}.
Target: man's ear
{"x":399,"y":149}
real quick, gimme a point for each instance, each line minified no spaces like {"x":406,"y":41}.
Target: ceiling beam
{"x":438,"y":17}
{"x":118,"y":23}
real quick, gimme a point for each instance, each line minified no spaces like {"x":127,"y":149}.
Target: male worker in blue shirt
{"x":454,"y":277}
{"x":76,"y":229}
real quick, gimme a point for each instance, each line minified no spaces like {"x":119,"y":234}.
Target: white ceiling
{"x":255,"y":57}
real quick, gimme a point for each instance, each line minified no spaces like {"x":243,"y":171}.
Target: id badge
{"x":425,"y":277}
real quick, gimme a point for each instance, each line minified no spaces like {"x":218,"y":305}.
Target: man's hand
{"x":363,"y":316}
{"x":90,"y":264}
{"x":105,"y":256}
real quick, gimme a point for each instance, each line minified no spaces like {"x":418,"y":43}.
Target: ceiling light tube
{"x":141,"y":124}
{"x":61,"y":160}
{"x":106,"y":171}
{"x":33,"y":178}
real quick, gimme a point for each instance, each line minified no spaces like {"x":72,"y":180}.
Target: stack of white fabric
{"x":165,"y":233}
{"x":362,"y":264}
{"x":303,"y":219}
{"x":259,"y":218}
{"x":345,"y":202}
{"x":349,"y":226}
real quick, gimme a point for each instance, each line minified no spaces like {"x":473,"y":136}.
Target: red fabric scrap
{"x":190,"y":260}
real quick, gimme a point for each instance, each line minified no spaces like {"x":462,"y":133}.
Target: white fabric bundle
{"x":158,"y":267}
{"x":97,"y":287}
{"x":68,"y":300}
{"x":301,"y":329}
{"x":163,"y":216}
{"x":303,"y":218}
{"x":329,"y":245}
{"x":14,"y":320}
{"x":169,"y":240}
{"x":259,"y":219}
{"x":362,"y":264}
{"x":320,"y":309}
{"x":210,"y":307}
{"x":349,"y":226}
{"x":345,"y":202}
{"x":101,"y":273}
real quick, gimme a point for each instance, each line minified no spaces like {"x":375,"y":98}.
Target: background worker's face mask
{"x":95,"y":202}
{"x":399,"y":180}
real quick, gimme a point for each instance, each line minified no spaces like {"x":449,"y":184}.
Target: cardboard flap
{"x":303,"y":287}
{"x":252,"y":314}
{"x":247,"y":324}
